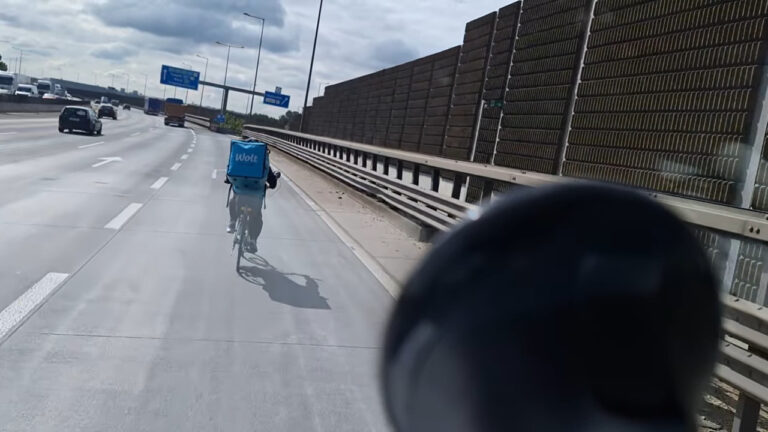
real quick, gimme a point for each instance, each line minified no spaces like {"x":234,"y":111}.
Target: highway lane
{"x":153,"y":329}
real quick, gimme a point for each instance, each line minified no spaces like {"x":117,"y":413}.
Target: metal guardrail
{"x":198,"y":120}
{"x":744,"y":352}
{"x":428,"y":207}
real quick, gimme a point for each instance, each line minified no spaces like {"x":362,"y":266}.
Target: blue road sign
{"x":275,"y":99}
{"x":219,"y":119}
{"x":178,"y":77}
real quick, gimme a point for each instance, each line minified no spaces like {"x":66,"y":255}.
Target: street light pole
{"x":186,"y":95}
{"x":145,"y":83}
{"x":205,"y":76}
{"x":311,"y":65}
{"x":21,"y":56}
{"x":226,"y":70}
{"x":258,"y":57}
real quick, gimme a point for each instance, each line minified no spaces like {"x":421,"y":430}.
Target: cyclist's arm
{"x":271,"y":179}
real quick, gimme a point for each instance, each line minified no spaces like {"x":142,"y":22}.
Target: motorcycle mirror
{"x":580,"y":302}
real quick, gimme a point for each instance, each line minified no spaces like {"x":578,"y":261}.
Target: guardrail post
{"x":349,"y":154}
{"x":386,"y":166}
{"x":399,"y":170}
{"x":435,"y":180}
{"x":374,"y":162}
{"x":747,"y":414}
{"x":357,"y":157}
{"x":416,"y":174}
{"x":458,"y":182}
{"x":365,"y":159}
{"x":487,"y":190}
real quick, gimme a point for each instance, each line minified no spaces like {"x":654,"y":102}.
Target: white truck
{"x":44,"y":86}
{"x":7,"y":83}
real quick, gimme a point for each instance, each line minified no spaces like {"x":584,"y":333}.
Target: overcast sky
{"x":91,"y":39}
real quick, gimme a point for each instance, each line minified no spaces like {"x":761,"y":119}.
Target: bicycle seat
{"x":574,"y":308}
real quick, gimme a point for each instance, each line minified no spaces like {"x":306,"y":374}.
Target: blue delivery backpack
{"x":248,"y":167}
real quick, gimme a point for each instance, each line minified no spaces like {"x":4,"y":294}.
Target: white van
{"x":7,"y":83}
{"x":27,"y":90}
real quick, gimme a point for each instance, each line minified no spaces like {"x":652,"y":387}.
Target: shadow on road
{"x":292,"y":289}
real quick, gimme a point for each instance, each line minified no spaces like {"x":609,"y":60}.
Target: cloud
{"x":203,"y":22}
{"x":114,"y":52}
{"x":9,"y":19}
{"x":391,"y":52}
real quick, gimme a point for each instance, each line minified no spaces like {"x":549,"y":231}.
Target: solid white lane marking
{"x":184,"y":157}
{"x":106,"y":160}
{"x":135,"y":134}
{"x":15,"y":314}
{"x":123,"y":217}
{"x":8,"y":133}
{"x":189,"y":150}
{"x":193,"y":146}
{"x":90,"y":145}
{"x":389,"y":283}
{"x":159,"y":183}
{"x":176,"y":166}
{"x":213,"y":174}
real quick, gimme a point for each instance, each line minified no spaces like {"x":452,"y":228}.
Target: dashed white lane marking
{"x":8,"y":133}
{"x":176,"y":166}
{"x":190,"y":150}
{"x":184,"y":157}
{"x":15,"y":314}
{"x":135,"y":134}
{"x":159,"y":183}
{"x":123,"y":217}
{"x":213,"y":174}
{"x":90,"y":145}
{"x":193,"y":145}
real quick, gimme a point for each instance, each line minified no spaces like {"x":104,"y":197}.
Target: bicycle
{"x":242,"y":235}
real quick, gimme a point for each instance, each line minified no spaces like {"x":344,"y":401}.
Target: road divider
{"x":176,"y":166}
{"x":159,"y":183}
{"x":18,"y":311}
{"x":90,"y":145}
{"x":123,"y":217}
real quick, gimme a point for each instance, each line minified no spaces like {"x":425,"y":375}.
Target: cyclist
{"x":255,"y":202}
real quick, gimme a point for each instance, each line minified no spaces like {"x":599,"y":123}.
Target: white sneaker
{"x":230,"y":228}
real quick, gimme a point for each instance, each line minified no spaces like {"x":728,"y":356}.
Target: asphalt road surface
{"x":122,"y":309}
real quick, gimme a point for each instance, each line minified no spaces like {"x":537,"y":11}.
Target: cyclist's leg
{"x":233,"y":213}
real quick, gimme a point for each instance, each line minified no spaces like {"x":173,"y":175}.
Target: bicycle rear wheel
{"x":240,"y":238}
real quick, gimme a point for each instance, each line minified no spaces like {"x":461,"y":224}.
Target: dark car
{"x":127,"y":107}
{"x":107,"y":111}
{"x":79,"y":118}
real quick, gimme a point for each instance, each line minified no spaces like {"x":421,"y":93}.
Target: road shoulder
{"x":366,"y":224}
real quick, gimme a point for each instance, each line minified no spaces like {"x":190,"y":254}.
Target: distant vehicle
{"x":107,"y":111}
{"x":23,"y":79}
{"x":127,"y":107}
{"x":175,"y":113}
{"x":7,"y":83}
{"x":153,"y":106}
{"x":26,"y":90}
{"x":104,"y":100}
{"x":115,"y":103}
{"x":49,"y":95}
{"x":79,"y":118}
{"x":44,"y":86}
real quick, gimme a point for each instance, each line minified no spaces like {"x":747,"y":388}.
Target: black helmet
{"x":578,"y":308}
